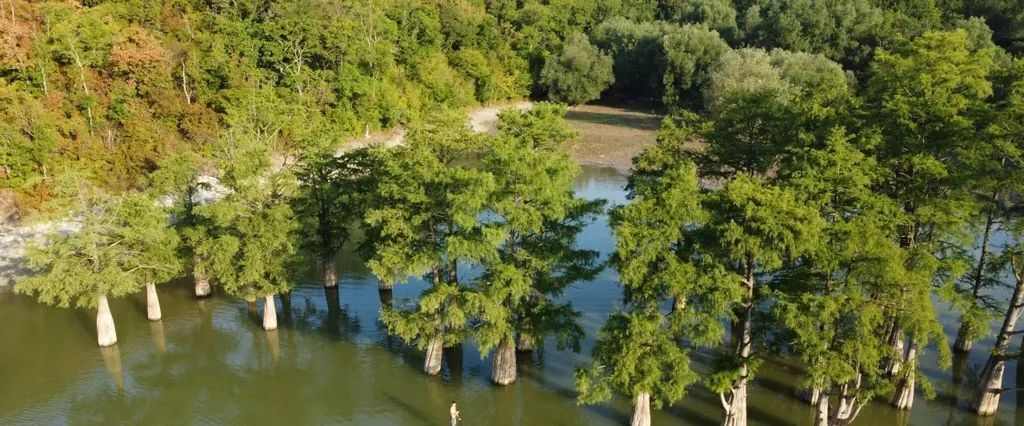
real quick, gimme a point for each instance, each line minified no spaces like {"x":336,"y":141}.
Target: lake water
{"x":209,"y":362}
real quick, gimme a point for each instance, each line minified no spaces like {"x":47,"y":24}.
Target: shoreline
{"x":609,"y":137}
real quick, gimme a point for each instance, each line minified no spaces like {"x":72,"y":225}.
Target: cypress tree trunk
{"x":964,"y":343}
{"x":330,"y":264}
{"x":432,"y":363}
{"x":269,"y":313}
{"x":810,"y":395}
{"x":384,"y":289}
{"x":105,"y":333}
{"x":202,"y":281}
{"x":893,"y":364}
{"x":525,"y":342}
{"x":904,"y":397}
{"x":333,"y":301}
{"x":736,"y":406}
{"x":152,"y":303}
{"x":986,"y":396}
{"x":678,"y":303}
{"x":503,"y":369}
{"x":642,"y":410}
{"x":822,"y":417}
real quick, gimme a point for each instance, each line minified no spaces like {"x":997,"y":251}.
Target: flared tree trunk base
{"x":202,"y":281}
{"x":152,"y":303}
{"x":736,"y":410}
{"x":269,"y":313}
{"x":105,"y":333}
{"x":503,"y":369}
{"x":641,"y":410}
{"x":903,"y":399}
{"x":435,"y":351}
{"x":986,"y":397}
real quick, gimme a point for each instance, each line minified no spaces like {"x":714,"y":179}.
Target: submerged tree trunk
{"x":432,"y":363}
{"x":330,"y":265}
{"x":503,"y":368}
{"x":105,"y":333}
{"x":253,"y":309}
{"x":152,"y":303}
{"x":269,"y":313}
{"x":385,"y":291}
{"x":202,"y":281}
{"x":333,"y":301}
{"x":642,"y":410}
{"x":986,"y":396}
{"x":904,"y":397}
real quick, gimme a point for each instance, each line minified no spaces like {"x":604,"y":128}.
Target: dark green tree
{"x":578,"y":74}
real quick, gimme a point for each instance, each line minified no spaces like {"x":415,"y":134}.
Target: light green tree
{"x":924,"y":98}
{"x":124,"y":244}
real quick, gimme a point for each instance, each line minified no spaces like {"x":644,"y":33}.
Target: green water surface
{"x":209,"y":362}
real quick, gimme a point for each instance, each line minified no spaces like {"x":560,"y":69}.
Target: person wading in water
{"x":454,"y":411}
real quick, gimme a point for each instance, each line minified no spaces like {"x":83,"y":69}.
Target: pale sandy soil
{"x":612,"y":136}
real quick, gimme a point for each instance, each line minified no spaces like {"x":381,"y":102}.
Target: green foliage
{"x":424,"y":217}
{"x":532,"y":199}
{"x":719,"y":15}
{"x":123,"y":243}
{"x":691,"y":55}
{"x":331,"y":197}
{"x":635,"y":49}
{"x":634,"y":354}
{"x":847,"y":279}
{"x":578,"y":74}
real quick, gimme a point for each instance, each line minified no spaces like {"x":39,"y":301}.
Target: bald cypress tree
{"x":832,"y":301}
{"x":328,"y":203}
{"x":424,"y":221}
{"x":179,"y":181}
{"x":249,"y":237}
{"x":638,"y":351}
{"x":533,"y":175}
{"x":123,"y":245}
{"x":922,"y":127}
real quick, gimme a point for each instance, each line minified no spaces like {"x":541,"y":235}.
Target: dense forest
{"x":826,"y":173}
